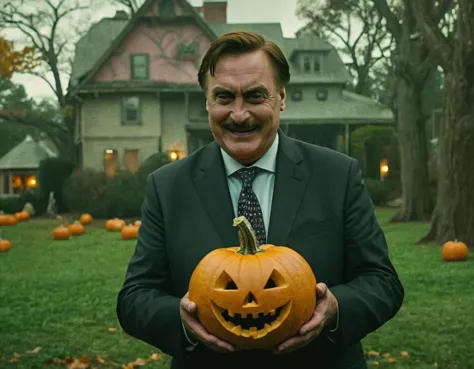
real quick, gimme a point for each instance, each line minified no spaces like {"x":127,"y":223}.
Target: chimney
{"x":214,"y":11}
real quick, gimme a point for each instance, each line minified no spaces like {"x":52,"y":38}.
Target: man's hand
{"x":324,"y":315}
{"x":188,"y":312}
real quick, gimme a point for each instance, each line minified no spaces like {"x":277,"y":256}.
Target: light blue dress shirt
{"x":263,"y":183}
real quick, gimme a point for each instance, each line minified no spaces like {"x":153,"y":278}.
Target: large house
{"x":135,"y":82}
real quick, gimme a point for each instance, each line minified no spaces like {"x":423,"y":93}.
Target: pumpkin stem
{"x":247,"y":238}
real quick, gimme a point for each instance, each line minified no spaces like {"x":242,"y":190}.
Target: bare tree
{"x":414,"y":66}
{"x":51,"y":27}
{"x":132,"y":5}
{"x":354,"y":24}
{"x":454,"y":51}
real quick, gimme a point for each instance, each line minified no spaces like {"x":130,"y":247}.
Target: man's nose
{"x":239,"y":112}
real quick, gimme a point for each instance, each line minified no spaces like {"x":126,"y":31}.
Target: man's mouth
{"x":254,"y":324}
{"x":242,"y":130}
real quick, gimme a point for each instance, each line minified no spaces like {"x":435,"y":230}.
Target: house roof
{"x":106,"y":47}
{"x":26,"y":155}
{"x":350,"y":108}
{"x":97,"y":45}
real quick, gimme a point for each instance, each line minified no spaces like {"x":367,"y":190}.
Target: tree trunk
{"x":411,"y":119}
{"x":454,"y":214}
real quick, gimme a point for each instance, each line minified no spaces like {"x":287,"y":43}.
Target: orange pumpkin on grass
{"x":7,"y":219}
{"x":76,"y":228}
{"x":129,"y":232}
{"x":61,"y":232}
{"x":22,"y":216}
{"x":85,"y":219}
{"x":5,"y":245}
{"x":115,"y":224}
{"x":253,"y":296}
{"x":454,"y":251}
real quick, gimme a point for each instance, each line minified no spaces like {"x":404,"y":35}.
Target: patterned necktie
{"x":248,"y":202}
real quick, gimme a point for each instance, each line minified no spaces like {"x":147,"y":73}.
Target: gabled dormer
{"x":310,"y":62}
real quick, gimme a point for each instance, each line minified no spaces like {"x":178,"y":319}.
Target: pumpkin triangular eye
{"x":275,"y":280}
{"x":230,"y":285}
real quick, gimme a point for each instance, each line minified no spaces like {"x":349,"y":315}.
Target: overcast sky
{"x":238,"y":11}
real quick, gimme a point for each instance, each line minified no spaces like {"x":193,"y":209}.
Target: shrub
{"x":84,"y":191}
{"x":123,"y":196}
{"x":36,"y":198}
{"x":10,"y":204}
{"x":52,"y":174}
{"x":152,"y":163}
{"x":381,"y":192}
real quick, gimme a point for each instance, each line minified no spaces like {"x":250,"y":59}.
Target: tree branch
{"x":435,"y":40}
{"x":393,"y":23}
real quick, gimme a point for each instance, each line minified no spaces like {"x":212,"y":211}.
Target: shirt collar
{"x":266,"y":162}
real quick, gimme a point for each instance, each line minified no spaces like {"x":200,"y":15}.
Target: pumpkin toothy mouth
{"x":255,"y":325}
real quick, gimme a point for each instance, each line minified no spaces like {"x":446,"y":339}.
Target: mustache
{"x":233,"y":126}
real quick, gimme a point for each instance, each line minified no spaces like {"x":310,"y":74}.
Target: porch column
{"x":347,"y":139}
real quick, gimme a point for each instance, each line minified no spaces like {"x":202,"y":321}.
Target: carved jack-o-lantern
{"x":253,"y":296}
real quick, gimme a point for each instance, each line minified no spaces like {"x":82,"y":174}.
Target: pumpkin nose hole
{"x":251,"y":299}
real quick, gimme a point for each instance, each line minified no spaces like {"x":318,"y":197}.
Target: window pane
{"x":110,"y":162}
{"x":132,"y":161}
{"x":140,"y":66}
{"x":131,"y":110}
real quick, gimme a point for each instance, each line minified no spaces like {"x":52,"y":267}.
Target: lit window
{"x":132,"y":161}
{"x":110,"y":162}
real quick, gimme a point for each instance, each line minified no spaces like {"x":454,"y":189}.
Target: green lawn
{"x":60,"y":296}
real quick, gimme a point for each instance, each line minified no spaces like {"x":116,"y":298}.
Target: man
{"x":307,"y":197}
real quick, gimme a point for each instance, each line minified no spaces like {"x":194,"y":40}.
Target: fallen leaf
{"x":376,"y":363}
{"x":387,"y":355}
{"x":79,"y":364}
{"x":34,"y":351}
{"x":14,"y":359}
{"x":155,"y":356}
{"x":391,"y":360}
{"x":112,"y":329}
{"x":435,"y":364}
{"x":100,"y":360}
{"x":404,"y":354}
{"x":372,"y":353}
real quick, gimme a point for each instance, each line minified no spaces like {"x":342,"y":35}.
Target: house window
{"x":131,"y":110}
{"x":132,"y":160}
{"x":322,"y":94}
{"x":312,"y":63}
{"x":139,"y":66}
{"x":110,"y":162}
{"x":307,"y":64}
{"x":297,"y":95}
{"x":23,"y":182}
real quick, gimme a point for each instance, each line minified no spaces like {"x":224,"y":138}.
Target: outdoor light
{"x":383,"y":169}
{"x":173,"y":156}
{"x":109,"y":151}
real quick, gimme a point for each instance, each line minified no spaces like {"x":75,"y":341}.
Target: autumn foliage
{"x":12,"y":60}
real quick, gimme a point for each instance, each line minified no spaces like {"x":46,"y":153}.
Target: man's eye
{"x":223,"y":97}
{"x":256,"y":97}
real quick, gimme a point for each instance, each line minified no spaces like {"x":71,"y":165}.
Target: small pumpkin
{"x":76,"y":228}
{"x":129,"y":232}
{"x":22,"y":216}
{"x":454,"y":251}
{"x":7,"y":219}
{"x":5,"y":245}
{"x":252,"y":296}
{"x":85,"y":219}
{"x":114,"y":224}
{"x":61,"y":232}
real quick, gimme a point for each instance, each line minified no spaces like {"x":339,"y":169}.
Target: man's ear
{"x":282,"y":93}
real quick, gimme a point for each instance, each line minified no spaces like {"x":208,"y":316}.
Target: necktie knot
{"x":247,"y":175}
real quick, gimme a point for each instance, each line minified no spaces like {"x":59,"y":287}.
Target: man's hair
{"x":239,"y":42}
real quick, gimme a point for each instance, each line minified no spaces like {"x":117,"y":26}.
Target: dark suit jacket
{"x":320,"y":208}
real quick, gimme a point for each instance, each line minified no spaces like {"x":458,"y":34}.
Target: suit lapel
{"x":211,"y":184}
{"x":291,"y":178}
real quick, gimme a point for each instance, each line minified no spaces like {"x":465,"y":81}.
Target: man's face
{"x":244,"y":105}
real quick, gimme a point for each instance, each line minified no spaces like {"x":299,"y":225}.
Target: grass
{"x":60,"y":296}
